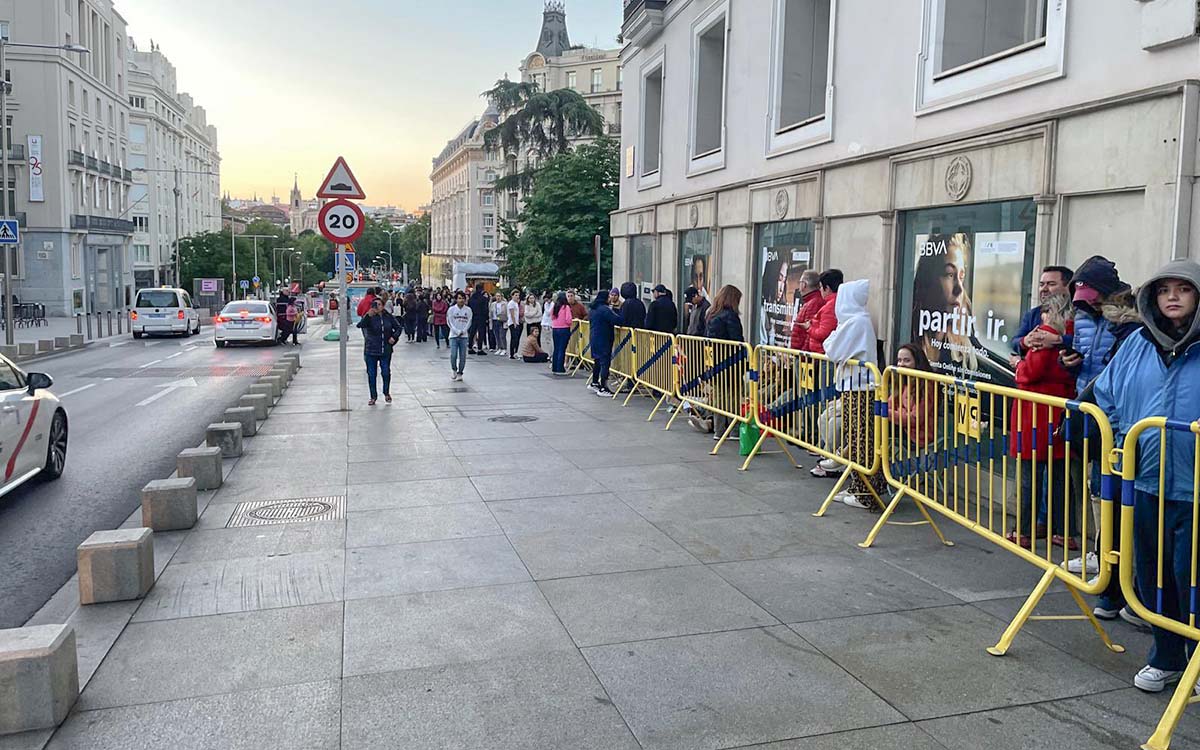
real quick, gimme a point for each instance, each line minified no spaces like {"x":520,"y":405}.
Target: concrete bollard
{"x":62,"y":342}
{"x":203,"y":465}
{"x":290,"y":364}
{"x":227,"y":436}
{"x":265,"y":389}
{"x":260,"y":402}
{"x":76,"y":340}
{"x":9,"y":351}
{"x":26,"y":348}
{"x":294,"y":356}
{"x":246,"y":417}
{"x":277,"y":385}
{"x":115,"y":566}
{"x":39,"y":677}
{"x":45,"y":346}
{"x":169,"y":504}
{"x":282,"y":371}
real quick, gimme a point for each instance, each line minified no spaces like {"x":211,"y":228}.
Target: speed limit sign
{"x":341,"y":221}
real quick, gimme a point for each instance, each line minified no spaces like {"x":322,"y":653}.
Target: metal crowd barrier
{"x":624,"y":351}
{"x":1144,"y":524}
{"x":572,"y":354}
{"x":581,"y":348}
{"x":715,"y":376}
{"x":654,"y":366}
{"x":976,"y":454}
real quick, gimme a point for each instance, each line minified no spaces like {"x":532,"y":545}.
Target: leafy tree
{"x":414,"y":242}
{"x":539,"y":124}
{"x":550,"y":244}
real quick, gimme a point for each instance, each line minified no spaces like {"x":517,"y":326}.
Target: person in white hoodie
{"x":854,"y":341}
{"x":458,"y":320}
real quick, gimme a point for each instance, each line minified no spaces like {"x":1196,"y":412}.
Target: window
{"x":620,"y":78}
{"x":597,"y":79}
{"x":76,"y":260}
{"x":71,"y":93}
{"x":72,"y":140}
{"x":489,"y":243}
{"x":85,"y":101}
{"x":137,"y":133}
{"x":141,"y":223}
{"x":10,"y":380}
{"x":6,"y":137}
{"x":141,"y":253}
{"x":804,"y":67}
{"x":489,"y":222}
{"x":487,"y":198}
{"x":708,"y":90}
{"x":972,"y":30}
{"x":572,"y":80}
{"x":137,"y":102}
{"x":651,"y":125}
{"x":137,"y":161}
{"x":4,"y":31}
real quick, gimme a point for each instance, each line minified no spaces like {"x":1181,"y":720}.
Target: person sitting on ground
{"x":531,"y":347}
{"x":1156,"y":373}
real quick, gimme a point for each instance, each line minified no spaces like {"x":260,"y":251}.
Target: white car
{"x":33,"y":427}
{"x":164,"y":310}
{"x":247,"y":321}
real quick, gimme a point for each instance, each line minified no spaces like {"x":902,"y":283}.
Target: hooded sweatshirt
{"x":854,"y":337}
{"x":1156,"y":372}
{"x":633,"y":310}
{"x":604,"y":322}
{"x":663,"y":316}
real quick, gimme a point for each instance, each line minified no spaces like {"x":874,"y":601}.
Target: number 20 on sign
{"x":341,"y":221}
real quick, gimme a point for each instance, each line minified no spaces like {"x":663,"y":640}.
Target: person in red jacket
{"x":364,"y":305}
{"x":810,"y":304}
{"x":1033,"y":441}
{"x":826,"y":320}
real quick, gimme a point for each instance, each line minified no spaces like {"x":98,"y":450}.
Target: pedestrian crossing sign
{"x":10,"y":232}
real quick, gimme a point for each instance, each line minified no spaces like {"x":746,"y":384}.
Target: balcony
{"x":76,"y":159}
{"x":16,"y":152}
{"x":644,"y":20}
{"x":104,"y":167}
{"x":93,"y":163}
{"x":101,"y":224}
{"x":614,"y":128}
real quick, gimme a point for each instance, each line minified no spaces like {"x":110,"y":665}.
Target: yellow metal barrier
{"x":976,"y":454}
{"x":580,"y":347}
{"x":623,"y":355}
{"x":714,"y":376}
{"x":654,"y":365}
{"x":1169,"y":564}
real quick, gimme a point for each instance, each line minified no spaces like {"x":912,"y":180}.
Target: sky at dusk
{"x":385,"y":83}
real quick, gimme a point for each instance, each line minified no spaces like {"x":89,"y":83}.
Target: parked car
{"x":163,"y":310}
{"x":33,"y":427}
{"x":246,"y":321}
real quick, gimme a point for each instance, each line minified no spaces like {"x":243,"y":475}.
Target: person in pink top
{"x":560,"y":321}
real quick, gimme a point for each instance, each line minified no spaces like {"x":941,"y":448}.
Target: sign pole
{"x":343,"y":328}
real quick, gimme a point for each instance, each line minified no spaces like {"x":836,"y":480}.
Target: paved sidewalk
{"x":525,"y":565}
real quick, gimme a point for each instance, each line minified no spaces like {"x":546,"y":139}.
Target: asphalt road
{"x":126,"y":429}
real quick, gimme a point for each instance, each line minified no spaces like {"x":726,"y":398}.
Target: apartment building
{"x":944,"y":149}
{"x":171,"y":148}
{"x":69,"y":181}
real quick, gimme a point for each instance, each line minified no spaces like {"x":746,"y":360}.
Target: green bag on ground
{"x":748,"y":435}
{"x":332,"y":335}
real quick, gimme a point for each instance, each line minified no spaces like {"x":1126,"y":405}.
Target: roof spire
{"x":554,"y":39}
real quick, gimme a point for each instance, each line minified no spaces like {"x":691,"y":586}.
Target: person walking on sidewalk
{"x":380,"y":332}
{"x":513,"y":323}
{"x":440,"y":331}
{"x":423,"y":311}
{"x":459,"y":324}
{"x":604,"y":322}
{"x":480,"y":305}
{"x":561,"y":318}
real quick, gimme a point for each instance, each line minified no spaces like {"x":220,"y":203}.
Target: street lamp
{"x":178,"y":197}
{"x":5,"y":145}
{"x":276,"y":254}
{"x":389,"y":233}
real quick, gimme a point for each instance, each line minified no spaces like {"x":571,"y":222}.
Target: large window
{"x":972,"y":30}
{"x":804,"y":63}
{"x":696,"y":254}
{"x":137,"y":133}
{"x":708,"y":109}
{"x":784,"y":253}
{"x":597,"y":79}
{"x":572,"y":80}
{"x":641,"y":260}
{"x":652,"y":101}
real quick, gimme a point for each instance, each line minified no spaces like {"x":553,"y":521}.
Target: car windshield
{"x":250,"y":308}
{"x":157,"y":298}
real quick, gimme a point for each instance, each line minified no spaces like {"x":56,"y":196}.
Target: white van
{"x":163,"y":310}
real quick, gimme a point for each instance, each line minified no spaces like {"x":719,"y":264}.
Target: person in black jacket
{"x":380,"y":333}
{"x":725,"y":324}
{"x":479,"y":304}
{"x":633,"y":310}
{"x":603,"y":322}
{"x":662,"y":316}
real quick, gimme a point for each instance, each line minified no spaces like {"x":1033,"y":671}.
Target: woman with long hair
{"x":532,"y":312}
{"x":724,"y":323}
{"x":561,"y":320}
{"x":938,"y":289}
{"x":913,"y":405}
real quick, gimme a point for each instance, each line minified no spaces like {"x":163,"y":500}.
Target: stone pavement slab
{"x":395,"y":569}
{"x":417,"y":493}
{"x":422,"y":524}
{"x":608,"y":548}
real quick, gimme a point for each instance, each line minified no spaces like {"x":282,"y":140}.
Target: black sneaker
{"x":604,"y":392}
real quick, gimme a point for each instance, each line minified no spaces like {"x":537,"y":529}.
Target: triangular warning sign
{"x":341,"y":183}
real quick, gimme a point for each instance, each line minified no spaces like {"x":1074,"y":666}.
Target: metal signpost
{"x":342,"y":222}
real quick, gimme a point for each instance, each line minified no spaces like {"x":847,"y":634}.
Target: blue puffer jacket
{"x":1157,"y":374}
{"x":603,"y":320}
{"x":1093,"y":340}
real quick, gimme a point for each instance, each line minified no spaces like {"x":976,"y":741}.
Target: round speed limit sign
{"x":341,"y":221}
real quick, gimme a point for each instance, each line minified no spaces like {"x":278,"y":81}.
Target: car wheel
{"x":56,"y":451}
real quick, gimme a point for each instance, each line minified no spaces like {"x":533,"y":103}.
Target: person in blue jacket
{"x":381,"y":331}
{"x":603,"y":321}
{"x":1054,"y":280}
{"x":1156,"y":372}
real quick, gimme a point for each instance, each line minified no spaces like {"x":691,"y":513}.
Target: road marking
{"x":155,"y":362}
{"x":117,"y":343}
{"x":168,"y":388}
{"x":191,"y":349}
{"x":77,"y":390}
{"x":107,"y":379}
{"x":176,"y":354}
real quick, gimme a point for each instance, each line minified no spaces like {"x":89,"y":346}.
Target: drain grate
{"x":513,"y":419}
{"x":265,"y":512}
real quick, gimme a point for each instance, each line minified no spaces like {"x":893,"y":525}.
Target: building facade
{"x":463,"y":210}
{"x":943,"y":149}
{"x":68,"y":180}
{"x":171,"y":148}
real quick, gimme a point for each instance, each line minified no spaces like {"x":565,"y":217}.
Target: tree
{"x":538,"y":124}
{"x":414,"y":242}
{"x":570,"y":202}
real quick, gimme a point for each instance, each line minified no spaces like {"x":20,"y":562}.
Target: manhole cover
{"x":513,"y":419}
{"x":264,"y":512}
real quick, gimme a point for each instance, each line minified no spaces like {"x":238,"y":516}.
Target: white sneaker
{"x":604,"y":392}
{"x":1128,"y":616}
{"x":1075,"y":565}
{"x":454,"y":376}
{"x":1106,"y":614}
{"x":1152,"y":680}
{"x":592,"y":386}
{"x":830,"y":466}
{"x":852,"y":500}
